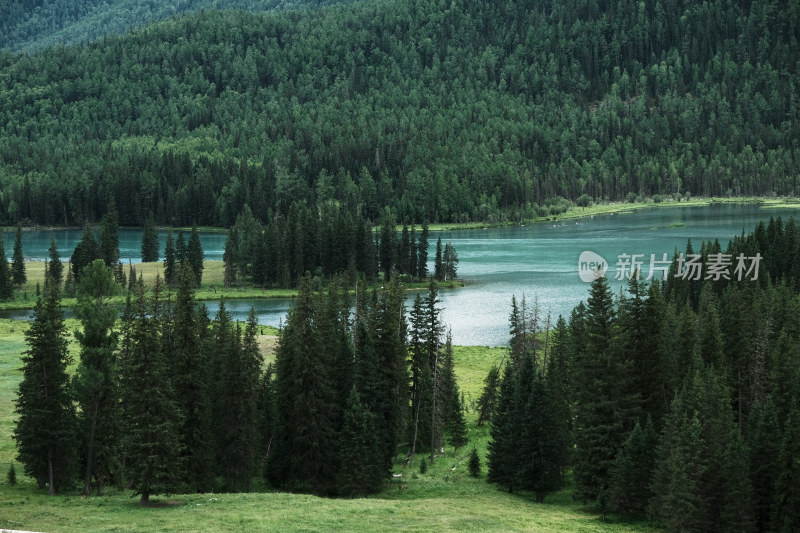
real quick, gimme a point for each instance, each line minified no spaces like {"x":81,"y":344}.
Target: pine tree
{"x":85,"y":252}
{"x":45,"y":427}
{"x":305,"y":455}
{"x":266,"y":409}
{"x":151,"y":419}
{"x":108,"y":249}
{"x":96,"y":376}
{"x":18,"y":261}
{"x":360,"y":471}
{"x":422,"y":254}
{"x":6,"y":283}
{"x":170,"y":261}
{"x":231,"y":257}
{"x":454,"y":422}
{"x":240,"y":400}
{"x":764,"y":441}
{"x":474,"y":464}
{"x":787,"y":487}
{"x":450,"y":262}
{"x":502,"y":446}
{"x":194,"y":254}
{"x":737,"y":510}
{"x":438,"y":264}
{"x":387,"y":247}
{"x":487,"y":400}
{"x":189,"y":365}
{"x":55,"y":267}
{"x":150,"y":240}
{"x":633,"y":470}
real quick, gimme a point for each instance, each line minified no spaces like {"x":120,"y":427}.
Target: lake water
{"x":538,"y":260}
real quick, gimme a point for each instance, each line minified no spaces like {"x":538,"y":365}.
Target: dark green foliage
{"x":151,"y":419}
{"x":55,"y":268}
{"x":150,"y":240}
{"x":450,"y":262}
{"x":231,"y":257}
{"x":474,"y":463}
{"x":787,"y":487}
{"x":439,"y":272}
{"x":191,"y":373}
{"x":108,"y":247}
{"x":764,"y":442}
{"x":737,"y":510}
{"x":266,"y":409}
{"x":361,"y":471}
{"x":452,"y":410}
{"x":633,"y":470}
{"x":45,"y":427}
{"x":486,"y":402}
{"x":639,"y":100}
{"x":11,"y":476}
{"x":422,"y":254}
{"x":6,"y":282}
{"x":239,"y":400}
{"x":194,"y":255}
{"x":423,"y":466}
{"x":95,"y":381}
{"x":85,"y":252}
{"x":170,"y":261}
{"x":502,"y":451}
{"x":18,"y":261}
{"x":387,"y":248}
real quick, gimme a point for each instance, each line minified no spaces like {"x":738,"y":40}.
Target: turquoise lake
{"x":539,"y":261}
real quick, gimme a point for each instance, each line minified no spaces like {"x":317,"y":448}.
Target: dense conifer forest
{"x":440,"y":111}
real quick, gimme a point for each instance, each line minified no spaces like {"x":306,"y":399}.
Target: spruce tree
{"x":55,"y":267}
{"x":231,"y":257}
{"x":85,"y":252}
{"x":96,"y":376}
{"x":474,"y":464}
{"x":486,"y":402}
{"x":151,"y":419}
{"x":189,"y":363}
{"x":633,"y":470}
{"x":17,"y":260}
{"x":764,"y":441}
{"x":387,"y":248}
{"x":194,"y":254}
{"x":787,"y":487}
{"x":502,"y":446}
{"x":422,"y":254}
{"x":170,"y":261}
{"x":45,"y":427}
{"x":438,"y":263}
{"x":360,"y":470}
{"x":108,"y":249}
{"x":267,"y":414}
{"x":453,"y":414}
{"x":150,"y":240}
{"x":6,"y":282}
{"x":240,"y":400}
{"x":737,"y":511}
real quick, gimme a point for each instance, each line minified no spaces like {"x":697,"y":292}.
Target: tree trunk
{"x":52,"y":489}
{"x":144,"y":501}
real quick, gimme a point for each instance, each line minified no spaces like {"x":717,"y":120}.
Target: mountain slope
{"x":31,"y":25}
{"x":442,"y":111}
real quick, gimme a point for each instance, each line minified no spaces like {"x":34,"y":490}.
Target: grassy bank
{"x":613,"y":208}
{"x":213,"y":287}
{"x":445,"y":498}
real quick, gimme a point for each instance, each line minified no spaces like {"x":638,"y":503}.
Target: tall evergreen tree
{"x":191,"y":374}
{"x":85,"y":252}
{"x":55,"y":268}
{"x":387,"y":247}
{"x":240,"y":400}
{"x":150,"y":240}
{"x":633,"y":470}
{"x":788,"y":483}
{"x":487,"y":400}
{"x":6,"y":282}
{"x":502,"y":452}
{"x":764,"y":441}
{"x":151,"y":419}
{"x":170,"y":261}
{"x":737,"y":510}
{"x":194,"y":254}
{"x":438,"y":263}
{"x":360,"y":470}
{"x":45,"y":427}
{"x":17,"y":260}
{"x":96,"y":376}
{"x":108,"y":248}
{"x":231,"y":257}
{"x":452,"y":410}
{"x":422,"y":254}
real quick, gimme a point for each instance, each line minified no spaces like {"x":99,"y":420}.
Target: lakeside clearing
{"x":445,"y":498}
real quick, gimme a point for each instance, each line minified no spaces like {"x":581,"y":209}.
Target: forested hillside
{"x":26,"y":26}
{"x":443,"y":111}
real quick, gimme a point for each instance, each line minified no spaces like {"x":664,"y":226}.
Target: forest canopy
{"x":441,"y":111}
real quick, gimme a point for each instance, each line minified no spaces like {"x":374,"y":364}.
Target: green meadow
{"x":445,"y":498}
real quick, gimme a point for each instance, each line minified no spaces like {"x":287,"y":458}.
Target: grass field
{"x":445,"y":498}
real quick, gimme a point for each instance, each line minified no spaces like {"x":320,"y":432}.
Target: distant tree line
{"x":472,"y":111}
{"x":676,"y":401}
